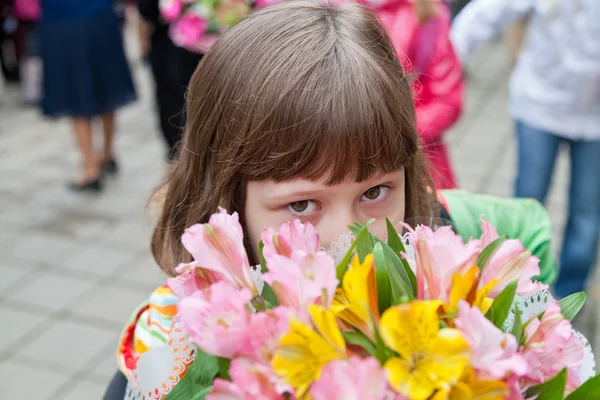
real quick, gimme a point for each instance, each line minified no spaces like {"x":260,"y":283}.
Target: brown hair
{"x":301,"y":89}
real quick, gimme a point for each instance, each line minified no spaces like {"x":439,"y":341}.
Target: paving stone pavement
{"x":73,"y":267}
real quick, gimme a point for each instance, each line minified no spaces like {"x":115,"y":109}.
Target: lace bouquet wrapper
{"x":423,"y":317}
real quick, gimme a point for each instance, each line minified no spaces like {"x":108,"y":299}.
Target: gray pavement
{"x":73,"y":267}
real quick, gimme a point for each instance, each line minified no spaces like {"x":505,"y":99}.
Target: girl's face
{"x":329,"y":208}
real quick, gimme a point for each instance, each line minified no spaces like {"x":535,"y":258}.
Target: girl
{"x":85,"y":76}
{"x":300,"y":111}
{"x":419,"y":30}
{"x":555,"y":98}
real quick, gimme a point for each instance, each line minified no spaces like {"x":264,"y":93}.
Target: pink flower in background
{"x":494,"y":353}
{"x":355,"y":379}
{"x":250,"y":384}
{"x":550,"y":347}
{"x":188,"y":30}
{"x":267,"y":3}
{"x":439,"y":255}
{"x":191,"y":279}
{"x":171,"y":9}
{"x":302,"y":279}
{"x":219,"y":247}
{"x":292,"y":235}
{"x":216,"y":319}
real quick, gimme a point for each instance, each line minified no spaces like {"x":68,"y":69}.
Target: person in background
{"x":28,"y":14}
{"x":554,"y":100}
{"x":419,"y":30}
{"x":8,"y":26}
{"x":86,"y":75}
{"x":172,"y":69}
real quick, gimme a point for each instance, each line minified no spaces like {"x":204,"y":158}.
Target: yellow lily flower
{"x":355,"y":302}
{"x":430,"y":358}
{"x":303,"y":352}
{"x":469,"y":388}
{"x":466,"y":287}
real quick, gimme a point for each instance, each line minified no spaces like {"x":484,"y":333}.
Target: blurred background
{"x":73,"y":266}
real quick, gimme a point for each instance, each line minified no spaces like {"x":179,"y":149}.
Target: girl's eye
{"x":375,"y":193}
{"x":303,"y":207}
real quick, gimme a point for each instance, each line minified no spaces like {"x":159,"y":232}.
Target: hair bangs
{"x":344,"y":118}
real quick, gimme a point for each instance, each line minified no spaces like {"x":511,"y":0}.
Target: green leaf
{"x":201,"y":395}
{"x":394,"y":240}
{"x":364,"y":244}
{"x":261,"y":257}
{"x":589,"y":390}
{"x":382,"y":353}
{"x":361,"y":340}
{"x":571,"y":305}
{"x":384,"y":286}
{"x":398,"y":283}
{"x":269,"y":295}
{"x":396,"y":244}
{"x":343,"y":265}
{"x":400,"y":267}
{"x":554,"y":389}
{"x":224,"y":364}
{"x":199,"y":377}
{"x":517,"y":329}
{"x":488,"y":251}
{"x":501,"y":307}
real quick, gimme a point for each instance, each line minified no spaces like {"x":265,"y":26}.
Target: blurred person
{"x":419,"y":30}
{"x":86,"y":75}
{"x":515,"y":36}
{"x":554,"y":99}
{"x":8,"y":26}
{"x":28,"y":13}
{"x":172,"y":68}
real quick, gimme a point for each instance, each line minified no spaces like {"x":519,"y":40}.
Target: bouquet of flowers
{"x":196,"y":24}
{"x":425,"y":317}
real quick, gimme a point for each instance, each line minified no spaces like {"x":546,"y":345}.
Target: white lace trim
{"x":340,"y":247}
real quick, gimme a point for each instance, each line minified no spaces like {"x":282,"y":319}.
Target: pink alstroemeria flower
{"x":216,"y":319}
{"x":494,"y":352}
{"x":267,"y":329}
{"x":355,"y":379}
{"x":302,"y":279}
{"x":551,"y":346}
{"x":248,"y":383}
{"x":439,"y":255}
{"x":219,"y":246}
{"x":291,"y":236}
{"x":191,"y":279}
{"x":509,"y":262}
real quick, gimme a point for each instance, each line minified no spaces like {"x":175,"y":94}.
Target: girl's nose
{"x":333,"y":227}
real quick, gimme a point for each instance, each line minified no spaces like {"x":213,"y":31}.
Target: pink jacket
{"x":427,"y":54}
